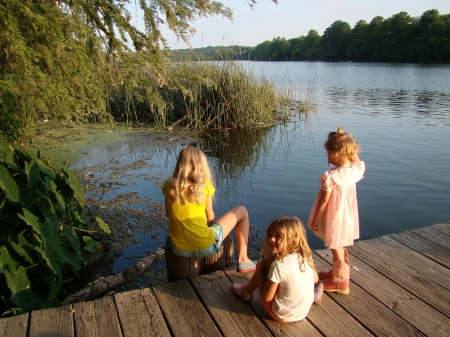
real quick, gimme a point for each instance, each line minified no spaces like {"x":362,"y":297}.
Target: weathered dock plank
{"x":433,"y":236}
{"x":413,"y":259}
{"x":233,"y":317}
{"x":399,"y":287}
{"x":429,"y":249}
{"x":443,"y":227}
{"x":406,"y":277}
{"x":15,"y":326}
{"x":96,"y":318}
{"x":372,"y":314}
{"x":183,"y":311}
{"x":405,"y":304}
{"x":52,"y":322}
{"x":139,"y":314}
{"x":302,"y":328}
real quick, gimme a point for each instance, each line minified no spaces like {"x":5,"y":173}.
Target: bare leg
{"x":237,"y":217}
{"x":254,"y":281}
{"x":263,"y":273}
{"x":338,"y":254}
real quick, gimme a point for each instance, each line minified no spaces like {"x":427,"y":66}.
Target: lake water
{"x":399,"y":113}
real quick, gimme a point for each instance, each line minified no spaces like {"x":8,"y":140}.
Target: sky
{"x":292,"y":18}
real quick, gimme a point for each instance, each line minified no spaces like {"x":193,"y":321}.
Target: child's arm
{"x":322,"y":201}
{"x":267,"y":288}
{"x":269,"y":291}
{"x":209,"y":211}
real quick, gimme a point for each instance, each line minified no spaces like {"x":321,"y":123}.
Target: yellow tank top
{"x":188,"y":226}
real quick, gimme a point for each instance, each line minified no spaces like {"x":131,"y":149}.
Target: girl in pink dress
{"x":334,"y":214}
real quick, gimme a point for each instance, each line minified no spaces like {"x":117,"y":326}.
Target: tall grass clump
{"x":222,"y":94}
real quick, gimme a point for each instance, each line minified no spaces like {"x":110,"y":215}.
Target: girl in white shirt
{"x":285,"y":273}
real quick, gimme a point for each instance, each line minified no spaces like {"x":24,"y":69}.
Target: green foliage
{"x":41,"y":211}
{"x":399,"y":38}
{"x":221,"y":94}
{"x":60,"y":60}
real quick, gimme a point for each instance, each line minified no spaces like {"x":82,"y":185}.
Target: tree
{"x":398,"y":34}
{"x":335,"y":41}
{"x":376,"y":38}
{"x":56,"y":56}
{"x":432,"y":41}
{"x":358,"y":47}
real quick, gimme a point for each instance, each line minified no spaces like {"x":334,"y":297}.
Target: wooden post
{"x":179,"y":267}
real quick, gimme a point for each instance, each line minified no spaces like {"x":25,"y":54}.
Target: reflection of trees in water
{"x":233,"y":155}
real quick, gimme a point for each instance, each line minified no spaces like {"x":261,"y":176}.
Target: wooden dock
{"x":400,"y":286}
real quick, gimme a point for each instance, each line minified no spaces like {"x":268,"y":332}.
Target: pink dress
{"x":339,"y":224}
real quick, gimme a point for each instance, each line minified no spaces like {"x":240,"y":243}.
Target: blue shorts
{"x":213,"y":249}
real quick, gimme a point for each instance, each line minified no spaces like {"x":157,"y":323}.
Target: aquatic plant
{"x":43,"y":231}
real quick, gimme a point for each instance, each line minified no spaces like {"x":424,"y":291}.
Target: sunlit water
{"x":400,"y":115}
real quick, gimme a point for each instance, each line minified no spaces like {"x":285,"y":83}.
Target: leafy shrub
{"x":42,"y":229}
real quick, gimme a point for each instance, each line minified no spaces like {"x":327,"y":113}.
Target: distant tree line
{"x":399,"y":38}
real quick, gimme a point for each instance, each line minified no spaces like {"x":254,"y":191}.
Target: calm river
{"x":400,"y":115}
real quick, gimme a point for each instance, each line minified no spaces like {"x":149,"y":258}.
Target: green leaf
{"x":72,"y":258}
{"x":45,"y":169}
{"x":8,"y":185}
{"x":51,"y":250}
{"x":104,"y":226}
{"x":76,"y":186}
{"x":51,"y":186}
{"x":91,"y":244}
{"x":32,"y":171}
{"x":49,"y":214}
{"x":51,"y":258}
{"x":69,"y":234}
{"x":6,"y":153}
{"x":24,"y":249}
{"x":17,"y":280}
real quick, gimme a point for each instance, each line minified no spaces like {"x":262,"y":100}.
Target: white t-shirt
{"x":295,"y":292}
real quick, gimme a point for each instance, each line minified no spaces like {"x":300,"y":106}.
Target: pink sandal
{"x":236,"y":288}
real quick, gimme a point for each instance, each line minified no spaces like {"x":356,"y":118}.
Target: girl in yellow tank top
{"x":189,"y":196}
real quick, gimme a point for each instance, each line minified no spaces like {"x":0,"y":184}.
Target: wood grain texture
{"x":233,"y":317}
{"x":413,"y":259}
{"x":433,"y":236}
{"x":53,"y":322}
{"x":97,"y":318}
{"x":367,"y":310}
{"x":183,"y":311}
{"x":444,"y":227}
{"x":15,"y":326}
{"x":139,"y":314}
{"x":406,"y":277}
{"x":424,"y":247}
{"x":405,"y":304}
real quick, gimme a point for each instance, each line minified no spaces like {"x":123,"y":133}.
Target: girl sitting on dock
{"x":189,"y":207}
{"x":334,"y":214}
{"x":285,"y":273}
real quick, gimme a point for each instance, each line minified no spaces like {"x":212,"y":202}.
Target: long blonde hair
{"x":189,"y":177}
{"x":343,"y":144}
{"x":294,"y":239}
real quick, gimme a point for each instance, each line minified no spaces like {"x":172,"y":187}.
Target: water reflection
{"x":403,"y":131}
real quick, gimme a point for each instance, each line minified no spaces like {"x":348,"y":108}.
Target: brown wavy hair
{"x":189,"y":177}
{"x":343,"y":144}
{"x":294,"y":239}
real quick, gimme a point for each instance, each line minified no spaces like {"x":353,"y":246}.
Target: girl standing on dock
{"x":285,"y":273}
{"x":189,"y":207}
{"x":334,"y":214}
